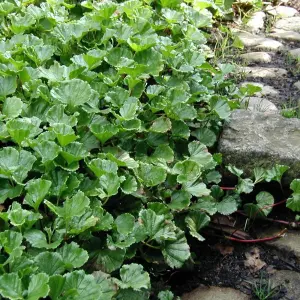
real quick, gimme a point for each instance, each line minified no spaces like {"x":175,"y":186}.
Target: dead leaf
{"x":224,"y":250}
{"x":253,"y":261}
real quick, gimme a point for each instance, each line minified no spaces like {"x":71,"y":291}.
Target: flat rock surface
{"x":261,"y":72}
{"x":297,"y":85}
{"x":285,"y":35}
{"x":252,"y":139}
{"x":256,"y":22}
{"x":288,"y":244}
{"x":258,"y":42}
{"x":295,"y":53}
{"x":281,"y":11}
{"x":290,"y":280}
{"x":258,"y":104}
{"x":215,"y":293}
{"x":292,"y":24}
{"x":256,"y":57}
{"x":266,"y":90}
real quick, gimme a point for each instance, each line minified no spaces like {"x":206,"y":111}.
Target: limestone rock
{"x":256,"y":22}
{"x":260,"y":72}
{"x":266,"y":90}
{"x":290,"y":24}
{"x":288,"y":245}
{"x":257,"y":57}
{"x":295,"y":53}
{"x":215,"y":293}
{"x":290,"y":280}
{"x":258,"y":104}
{"x":285,"y":35}
{"x":259,"y":42}
{"x":297,"y":85}
{"x":252,"y":139}
{"x":281,"y":11}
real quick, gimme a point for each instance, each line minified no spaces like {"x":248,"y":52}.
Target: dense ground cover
{"x":108,"y":110}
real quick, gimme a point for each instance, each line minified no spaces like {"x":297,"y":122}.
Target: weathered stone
{"x":297,"y":85}
{"x":258,"y":104}
{"x":281,"y":11}
{"x":256,"y":22}
{"x":288,"y":245}
{"x":257,"y":57}
{"x":269,"y":44}
{"x":252,"y":139}
{"x":290,"y":280}
{"x":266,"y":90}
{"x":285,"y":35}
{"x":260,"y":72}
{"x":258,"y":42}
{"x":295,"y":53}
{"x":290,"y":24}
{"x":215,"y":293}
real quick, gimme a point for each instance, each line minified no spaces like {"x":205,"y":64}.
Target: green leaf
{"x":74,"y":152}
{"x":133,"y":276}
{"x":293,"y":202}
{"x":276,"y":173}
{"x":176,"y":252}
{"x":36,"y":189}
{"x":38,"y":286}
{"x":197,"y":189}
{"x":259,"y":174}
{"x":245,"y":186}
{"x":8,"y":86}
{"x":73,"y":256}
{"x":180,"y":200}
{"x":38,"y":239}
{"x":156,"y":226}
{"x":11,"y":286}
{"x":265,"y":201}
{"x":102,"y":166}
{"x":64,"y":133}
{"x":50,"y":263}
{"x":195,"y":221}
{"x":205,"y":136}
{"x":110,"y":260}
{"x":80,"y":286}
{"x":129,"y":108}
{"x":73,"y":93}
{"x":47,"y":150}
{"x":227,"y":206}
{"x":165,"y":295}
{"x":151,"y":175}
{"x":161,"y":124}
{"x":125,"y":223}
{"x":221,"y":107}
{"x":188,"y":171}
{"x":163,"y":153}
{"x":12,"y":107}
{"x":104,"y":132}
{"x":129,"y":185}
{"x":56,"y":283}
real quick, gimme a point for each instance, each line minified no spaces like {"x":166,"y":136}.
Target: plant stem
{"x":258,"y":240}
{"x":151,"y":246}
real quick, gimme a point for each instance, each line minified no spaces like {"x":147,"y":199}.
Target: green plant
{"x":108,"y":110}
{"x":264,"y":289}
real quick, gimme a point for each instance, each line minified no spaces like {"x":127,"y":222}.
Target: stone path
{"x":272,"y":59}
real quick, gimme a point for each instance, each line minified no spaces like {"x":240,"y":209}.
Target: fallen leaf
{"x":253,"y":261}
{"x":224,"y":250}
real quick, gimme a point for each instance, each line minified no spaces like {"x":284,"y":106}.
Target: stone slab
{"x":266,"y":90}
{"x":256,"y":22}
{"x":256,"y":57}
{"x":295,"y":53}
{"x":281,"y":11}
{"x":258,"y":104}
{"x":260,"y":72}
{"x":289,"y":280}
{"x":290,"y":24}
{"x":285,"y":35}
{"x":215,"y":293}
{"x":297,"y":85}
{"x":253,"y":139}
{"x":259,"y":42}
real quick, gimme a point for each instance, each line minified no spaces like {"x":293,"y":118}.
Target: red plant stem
{"x":257,"y":240}
{"x":224,"y":188}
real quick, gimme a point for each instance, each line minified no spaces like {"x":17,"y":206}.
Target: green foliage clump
{"x":107,"y":112}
